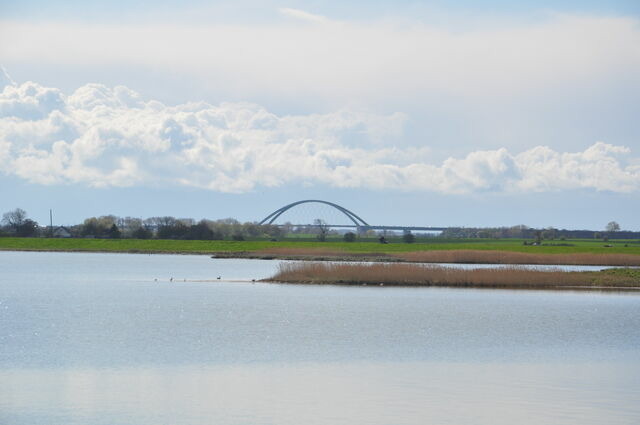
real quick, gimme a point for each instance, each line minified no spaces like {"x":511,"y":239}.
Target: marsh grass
{"x":304,"y":251}
{"x":465,"y":256}
{"x":470,"y":256}
{"x":403,"y":274}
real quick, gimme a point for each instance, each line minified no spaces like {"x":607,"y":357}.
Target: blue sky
{"x":424,"y":113}
{"x":100,"y":10}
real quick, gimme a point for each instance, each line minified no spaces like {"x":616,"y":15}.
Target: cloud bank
{"x":111,"y":137}
{"x":314,"y":56}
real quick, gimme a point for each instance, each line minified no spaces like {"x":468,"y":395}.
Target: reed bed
{"x":471,"y":256}
{"x":320,"y":253}
{"x":403,"y":274}
{"x":303,"y":251}
{"x":466,"y":256}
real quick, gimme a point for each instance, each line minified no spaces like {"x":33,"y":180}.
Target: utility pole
{"x":50,"y":223}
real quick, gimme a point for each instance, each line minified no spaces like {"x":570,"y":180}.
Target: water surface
{"x":95,"y":339}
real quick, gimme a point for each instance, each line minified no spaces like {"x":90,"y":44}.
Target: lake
{"x":158,"y":339}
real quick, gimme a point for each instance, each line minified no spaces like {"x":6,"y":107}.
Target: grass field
{"x":211,"y":247}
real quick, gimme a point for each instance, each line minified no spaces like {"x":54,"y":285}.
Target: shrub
{"x":141,"y":233}
{"x":349,"y":237}
{"x":408,"y":238}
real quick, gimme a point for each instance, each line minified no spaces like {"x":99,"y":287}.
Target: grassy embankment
{"x":420,"y":275}
{"x":503,"y":251}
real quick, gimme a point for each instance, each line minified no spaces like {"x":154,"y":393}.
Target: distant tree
{"x":157,"y":222}
{"x":200,"y":231}
{"x":99,"y":227}
{"x":349,"y":237}
{"x":287,"y":227}
{"x":177,"y":230}
{"x":165,"y":231}
{"x":237,"y":237}
{"x":549,"y":233}
{"x":28,"y":228}
{"x":141,"y":233}
{"x":90,"y":227}
{"x":322,"y":229}
{"x":252,"y":230}
{"x":128,"y":225}
{"x":517,"y":231}
{"x":612,"y":226}
{"x":14,"y":219}
{"x":538,"y":237}
{"x":113,"y":232}
{"x":187,"y":221}
{"x":408,"y":237}
{"x":106,"y":221}
{"x":217,"y":235}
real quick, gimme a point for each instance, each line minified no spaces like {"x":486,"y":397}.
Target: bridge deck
{"x":370,"y":227}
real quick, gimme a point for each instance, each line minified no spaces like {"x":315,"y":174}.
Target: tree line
{"x":17,"y":223}
{"x":612,"y":229}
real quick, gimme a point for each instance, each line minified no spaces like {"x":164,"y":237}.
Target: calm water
{"x":94,"y":339}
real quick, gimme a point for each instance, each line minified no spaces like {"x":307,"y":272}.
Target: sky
{"x":432,"y":113}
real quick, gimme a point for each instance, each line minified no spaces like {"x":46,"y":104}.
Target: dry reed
{"x":292,"y":251}
{"x":316,"y":253}
{"x":508,"y":257}
{"x":423,"y":275}
{"x":469,"y":256}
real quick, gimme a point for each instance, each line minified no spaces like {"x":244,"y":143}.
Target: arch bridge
{"x":358,"y":222}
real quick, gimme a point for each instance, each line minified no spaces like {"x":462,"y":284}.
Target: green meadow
{"x":360,"y":247}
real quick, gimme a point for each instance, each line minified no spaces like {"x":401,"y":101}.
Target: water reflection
{"x":360,"y":393}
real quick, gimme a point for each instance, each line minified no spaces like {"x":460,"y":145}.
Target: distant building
{"x":61,"y":232}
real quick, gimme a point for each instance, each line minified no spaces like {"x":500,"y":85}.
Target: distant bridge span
{"x":358,"y":222}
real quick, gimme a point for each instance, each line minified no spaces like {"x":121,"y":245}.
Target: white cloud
{"x":301,"y":14}
{"x":100,"y":136}
{"x":350,"y":60}
{"x":29,"y":100}
{"x":598,"y":167}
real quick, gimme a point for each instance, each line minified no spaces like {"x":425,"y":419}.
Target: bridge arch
{"x":277,"y":213}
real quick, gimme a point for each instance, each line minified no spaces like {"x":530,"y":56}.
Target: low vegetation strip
{"x":506,"y":257}
{"x":167,"y":246}
{"x":426,"y":275}
{"x":464,"y":256}
{"x":620,"y":253}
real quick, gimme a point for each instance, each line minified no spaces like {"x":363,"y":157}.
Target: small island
{"x":398,"y":274}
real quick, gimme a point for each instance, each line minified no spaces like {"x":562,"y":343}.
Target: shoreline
{"x":109,"y":251}
{"x":578,"y":288}
{"x":617,"y":279}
